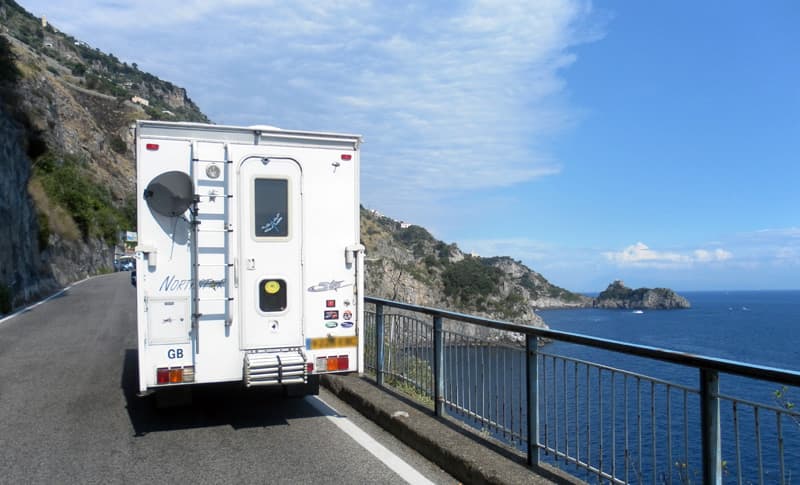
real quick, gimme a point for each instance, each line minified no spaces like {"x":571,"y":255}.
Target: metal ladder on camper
{"x":211,"y":241}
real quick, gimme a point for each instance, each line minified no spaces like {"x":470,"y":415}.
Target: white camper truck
{"x":249,"y":266}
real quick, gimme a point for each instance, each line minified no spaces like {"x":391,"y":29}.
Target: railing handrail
{"x":783,"y":376}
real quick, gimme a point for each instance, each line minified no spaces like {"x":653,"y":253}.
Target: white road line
{"x":394,"y":462}
{"x":31,"y":307}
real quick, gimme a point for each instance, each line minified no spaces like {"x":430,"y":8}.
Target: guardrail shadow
{"x":226,"y":404}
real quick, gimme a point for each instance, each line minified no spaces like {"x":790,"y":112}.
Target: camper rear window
{"x":271,"y":207}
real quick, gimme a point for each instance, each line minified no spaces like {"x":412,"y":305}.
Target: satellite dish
{"x":170,"y":194}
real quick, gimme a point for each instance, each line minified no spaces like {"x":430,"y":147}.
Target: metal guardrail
{"x":616,"y":425}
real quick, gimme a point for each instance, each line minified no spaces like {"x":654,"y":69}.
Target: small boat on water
{"x":638,"y":312}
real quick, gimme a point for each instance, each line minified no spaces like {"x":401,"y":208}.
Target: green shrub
{"x":432,"y":261}
{"x":470,"y":279}
{"x":413,"y":235}
{"x":78,"y":69}
{"x":67,"y":182}
{"x":118,"y":145}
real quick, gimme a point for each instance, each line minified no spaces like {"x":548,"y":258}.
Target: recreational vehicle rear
{"x":249,"y":266}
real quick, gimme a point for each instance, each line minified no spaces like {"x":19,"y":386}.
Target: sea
{"x":754,"y":327}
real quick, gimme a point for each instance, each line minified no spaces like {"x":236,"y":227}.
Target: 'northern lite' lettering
{"x":171,"y":283}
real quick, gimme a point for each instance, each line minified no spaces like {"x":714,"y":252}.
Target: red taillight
{"x":175,"y":375}
{"x":152,"y":146}
{"x":346,"y":156}
{"x":162,"y":376}
{"x":330,"y":303}
{"x":309,"y":367}
{"x":332,"y":363}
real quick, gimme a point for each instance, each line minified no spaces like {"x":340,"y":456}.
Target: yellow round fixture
{"x":272,"y":287}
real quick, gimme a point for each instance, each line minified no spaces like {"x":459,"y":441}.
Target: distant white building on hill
{"x":139,"y":100}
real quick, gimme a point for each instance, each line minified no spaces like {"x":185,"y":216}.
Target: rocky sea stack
{"x":617,"y":295}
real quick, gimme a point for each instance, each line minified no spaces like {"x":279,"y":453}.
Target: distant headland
{"x":617,"y":295}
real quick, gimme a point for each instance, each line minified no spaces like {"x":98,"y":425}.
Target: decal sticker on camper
{"x":273,"y":224}
{"x":332,"y":285}
{"x":331,"y":342}
{"x":172,"y":283}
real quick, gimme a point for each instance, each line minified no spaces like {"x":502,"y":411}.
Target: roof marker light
{"x":152,"y":146}
{"x":346,"y":156}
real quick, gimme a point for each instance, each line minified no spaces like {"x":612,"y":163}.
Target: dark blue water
{"x":758,"y":327}
{"x":752,"y":327}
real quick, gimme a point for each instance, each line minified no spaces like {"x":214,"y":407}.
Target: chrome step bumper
{"x":274,"y":368}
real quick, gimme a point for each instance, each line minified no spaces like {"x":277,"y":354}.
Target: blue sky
{"x":654,"y":142}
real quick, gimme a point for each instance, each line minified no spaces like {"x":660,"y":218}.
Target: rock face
{"x":62,"y":100}
{"x":406,"y":263}
{"x":21,"y":272}
{"x":617,"y":295}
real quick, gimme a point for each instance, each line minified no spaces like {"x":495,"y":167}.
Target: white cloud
{"x":450,"y":97}
{"x":704,"y":255}
{"x":640,"y":254}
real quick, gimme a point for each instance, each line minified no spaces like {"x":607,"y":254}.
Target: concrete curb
{"x":468,"y":459}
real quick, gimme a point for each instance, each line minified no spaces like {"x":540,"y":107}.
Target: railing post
{"x":379,"y":343}
{"x":438,"y":367}
{"x":709,"y":421}
{"x":532,"y":387}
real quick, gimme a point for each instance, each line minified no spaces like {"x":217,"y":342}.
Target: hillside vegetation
{"x":405,"y":262}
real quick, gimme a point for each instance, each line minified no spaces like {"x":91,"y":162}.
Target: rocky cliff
{"x":68,"y":170}
{"x":405,"y":262}
{"x":617,"y":295}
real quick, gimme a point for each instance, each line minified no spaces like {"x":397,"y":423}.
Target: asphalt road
{"x":69,"y":412}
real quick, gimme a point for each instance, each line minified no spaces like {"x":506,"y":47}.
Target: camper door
{"x":270,"y":255}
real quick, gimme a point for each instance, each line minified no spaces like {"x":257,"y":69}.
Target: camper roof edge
{"x":244,"y":134}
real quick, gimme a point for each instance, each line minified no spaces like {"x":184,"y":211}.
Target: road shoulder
{"x":467,"y":458}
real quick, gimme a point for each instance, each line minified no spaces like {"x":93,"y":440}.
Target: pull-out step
{"x":273,"y":368}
